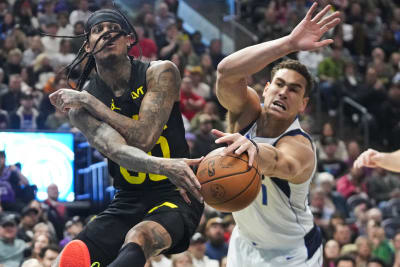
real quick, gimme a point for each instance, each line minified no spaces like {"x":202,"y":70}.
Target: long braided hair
{"x":126,"y":29}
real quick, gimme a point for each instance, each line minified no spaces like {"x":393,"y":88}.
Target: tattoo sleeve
{"x":163,"y":82}
{"x":109,"y":142}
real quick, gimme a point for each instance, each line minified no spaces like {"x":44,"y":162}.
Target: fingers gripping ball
{"x":227,"y":182}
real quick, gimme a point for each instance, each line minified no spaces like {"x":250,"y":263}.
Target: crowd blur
{"x":358,"y":210}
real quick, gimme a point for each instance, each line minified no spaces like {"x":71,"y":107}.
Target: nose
{"x":283,"y":92}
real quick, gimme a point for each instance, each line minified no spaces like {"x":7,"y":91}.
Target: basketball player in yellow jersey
{"x":277,"y":228}
{"x":129,"y":111}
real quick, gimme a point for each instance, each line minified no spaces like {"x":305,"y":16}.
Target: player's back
{"x":279,"y":218}
{"x":171,"y":143}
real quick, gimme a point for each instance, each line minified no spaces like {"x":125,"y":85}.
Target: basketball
{"x":227,"y":182}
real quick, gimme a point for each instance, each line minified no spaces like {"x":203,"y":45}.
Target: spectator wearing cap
{"x":29,"y":218}
{"x":11,"y":248}
{"x":199,"y":87}
{"x":56,"y":211}
{"x":333,"y":165}
{"x":197,"y":248}
{"x":72,"y":228}
{"x":205,"y":140}
{"x":216,"y":248}
{"x":26,"y":116}
{"x":190,"y":102}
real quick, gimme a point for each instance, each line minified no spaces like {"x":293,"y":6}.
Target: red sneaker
{"x":75,"y":254}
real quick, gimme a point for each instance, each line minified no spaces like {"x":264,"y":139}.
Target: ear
{"x":304,"y":104}
{"x":87,"y":47}
{"x":130,"y":40}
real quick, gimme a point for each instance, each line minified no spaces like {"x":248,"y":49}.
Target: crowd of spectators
{"x":358,"y":210}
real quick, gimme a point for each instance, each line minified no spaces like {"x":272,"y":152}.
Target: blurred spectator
{"x":269,"y":28}
{"x":211,"y":109}
{"x":381,"y":246}
{"x":80,"y":14}
{"x":216,"y":52}
{"x":35,"y":49}
{"x":57,"y":119}
{"x":3,"y":87}
{"x":26,"y":116}
{"x":197,"y":248}
{"x":170,"y":44}
{"x":216,"y":248}
{"x":51,"y":44}
{"x":376,"y":262}
{"x":172,"y":5}
{"x":311,"y":59}
{"x":27,"y":21}
{"x":6,"y":26}
{"x":56,"y":211}
{"x":38,"y":243}
{"x":10,"y":181}
{"x":190,"y":102}
{"x":65,"y":56}
{"x":183,"y":259}
{"x":160,"y":261}
{"x":331,"y":164}
{"x":342,"y":234}
{"x":44,"y":226}
{"x":321,"y":207}
{"x":383,"y":69}
{"x":331,"y":253}
{"x":360,"y":215}
{"x":187,"y":55}
{"x":148,"y":48}
{"x":11,"y":248}
{"x":326,"y":181}
{"x":390,"y":116}
{"x":163,"y":17}
{"x":31,"y":263}
{"x":383,"y":185}
{"x":197,"y":43}
{"x":364,"y":251}
{"x":76,"y":43}
{"x":13,"y":64}
{"x":351,"y":80}
{"x":72,"y":228}
{"x":199,"y":87}
{"x":352,"y":183}
{"x":49,"y":254}
{"x":4,"y":121}
{"x":205,"y":140}
{"x":353,"y":151}
{"x":64,"y":27}
{"x":328,"y":130}
{"x":29,"y":217}
{"x":345,"y":261}
{"x":208,"y":69}
{"x":47,"y":15}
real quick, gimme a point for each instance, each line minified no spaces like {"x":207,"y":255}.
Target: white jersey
{"x":279,"y":219}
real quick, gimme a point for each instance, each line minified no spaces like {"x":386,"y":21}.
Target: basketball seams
{"x":241,"y":192}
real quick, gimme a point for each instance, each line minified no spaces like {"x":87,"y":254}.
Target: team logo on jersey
{"x":217,"y":191}
{"x":138,"y":93}
{"x":113,"y":107}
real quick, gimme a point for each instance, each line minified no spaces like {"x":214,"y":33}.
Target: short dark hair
{"x":345,"y":258}
{"x":377,"y":260}
{"x":298,"y":67}
{"x":52,"y":247}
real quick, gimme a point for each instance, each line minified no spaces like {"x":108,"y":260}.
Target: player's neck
{"x":269,"y":127}
{"x":119,"y":67}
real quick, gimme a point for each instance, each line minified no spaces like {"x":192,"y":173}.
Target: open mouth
{"x":279,"y":105}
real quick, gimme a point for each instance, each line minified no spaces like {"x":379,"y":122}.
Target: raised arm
{"x":232,"y":90}
{"x":163,"y":82}
{"x":110,"y":143}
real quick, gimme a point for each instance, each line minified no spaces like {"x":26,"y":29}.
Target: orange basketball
{"x":227,"y":182}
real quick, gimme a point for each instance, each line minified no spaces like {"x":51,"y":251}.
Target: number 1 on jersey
{"x":264,"y":194}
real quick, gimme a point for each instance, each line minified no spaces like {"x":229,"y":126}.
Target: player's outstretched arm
{"x":110,"y":143}
{"x":232,"y":90}
{"x":372,"y":159}
{"x":292,"y":159}
{"x":163,"y":82}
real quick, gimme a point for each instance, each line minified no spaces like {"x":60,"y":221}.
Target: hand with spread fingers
{"x":181,"y":175}
{"x":237,"y":144}
{"x":307,"y":34}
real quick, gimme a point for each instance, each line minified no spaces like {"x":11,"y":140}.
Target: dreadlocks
{"x":97,"y":17}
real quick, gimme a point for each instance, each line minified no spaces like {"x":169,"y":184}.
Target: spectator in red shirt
{"x":191,"y":103}
{"x":148,"y":46}
{"x":352,"y":183}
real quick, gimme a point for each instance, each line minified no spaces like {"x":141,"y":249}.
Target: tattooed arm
{"x":110,"y":143}
{"x":163,"y":82}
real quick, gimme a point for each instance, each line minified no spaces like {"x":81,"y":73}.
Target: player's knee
{"x":151,"y":236}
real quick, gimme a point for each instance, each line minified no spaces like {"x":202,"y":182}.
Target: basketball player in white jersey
{"x":277,"y":229}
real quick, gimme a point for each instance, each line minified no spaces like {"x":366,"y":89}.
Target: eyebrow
{"x":290,"y":84}
{"x":104,"y":23}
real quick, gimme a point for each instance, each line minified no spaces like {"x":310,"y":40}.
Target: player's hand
{"x":307,"y":34}
{"x":180,"y":174}
{"x":367,"y":159}
{"x":237,"y":144}
{"x":64,"y":99}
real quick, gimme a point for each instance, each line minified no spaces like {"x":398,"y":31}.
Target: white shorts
{"x":242,"y":253}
